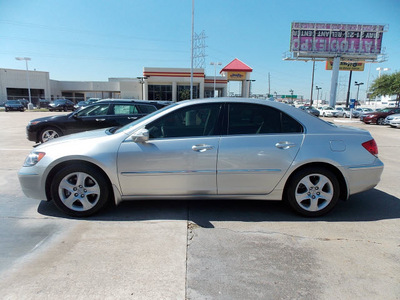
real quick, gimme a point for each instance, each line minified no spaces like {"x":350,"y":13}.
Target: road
{"x":199,"y":250}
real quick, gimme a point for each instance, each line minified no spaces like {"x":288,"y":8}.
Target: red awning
{"x":236,"y":66}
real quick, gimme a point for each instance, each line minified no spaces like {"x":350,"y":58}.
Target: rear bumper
{"x":363,"y":178}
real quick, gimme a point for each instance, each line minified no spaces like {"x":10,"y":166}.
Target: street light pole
{"x":318,"y":88}
{"x":192,"y":51}
{"x":215,"y":64}
{"x":291,"y":94}
{"x":141,"y":81}
{"x":358,"y":87}
{"x":250,"y":81}
{"x":30,"y":105}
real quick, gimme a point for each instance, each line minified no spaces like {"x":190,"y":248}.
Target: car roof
{"x":124,"y":101}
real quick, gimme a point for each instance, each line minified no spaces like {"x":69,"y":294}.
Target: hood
{"x":76,"y":138}
{"x":51,"y":118}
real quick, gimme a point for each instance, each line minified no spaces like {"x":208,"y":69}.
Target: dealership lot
{"x":199,"y":250}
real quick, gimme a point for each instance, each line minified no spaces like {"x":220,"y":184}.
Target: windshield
{"x":13,"y":102}
{"x":134,"y":123}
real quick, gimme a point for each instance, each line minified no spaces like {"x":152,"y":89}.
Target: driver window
{"x":199,"y":120}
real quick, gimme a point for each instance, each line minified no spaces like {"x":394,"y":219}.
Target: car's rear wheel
{"x":380,"y":121}
{"x":49,"y":133}
{"x":313,"y":192}
{"x":79,"y":190}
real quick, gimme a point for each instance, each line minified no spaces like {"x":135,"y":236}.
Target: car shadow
{"x":372,"y":205}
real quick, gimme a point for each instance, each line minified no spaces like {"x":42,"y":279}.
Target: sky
{"x":90,"y":40}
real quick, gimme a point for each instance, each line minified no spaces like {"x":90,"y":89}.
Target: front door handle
{"x":100,"y":120}
{"x":285,"y":145}
{"x":132,"y":118}
{"x":202,"y":148}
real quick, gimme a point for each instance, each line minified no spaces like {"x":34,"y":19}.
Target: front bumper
{"x":394,"y":123}
{"x":31,"y":135}
{"x":31,"y":183}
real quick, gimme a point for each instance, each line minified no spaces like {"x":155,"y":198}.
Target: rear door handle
{"x":132,"y":118}
{"x":285,"y":145}
{"x":100,"y":120}
{"x":202,"y":148}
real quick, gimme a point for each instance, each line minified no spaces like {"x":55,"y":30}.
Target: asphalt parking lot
{"x":199,"y":250}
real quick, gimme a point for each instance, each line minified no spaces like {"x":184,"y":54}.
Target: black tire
{"x":79,"y":190}
{"x":49,"y":133}
{"x":380,"y":121}
{"x":313,"y":192}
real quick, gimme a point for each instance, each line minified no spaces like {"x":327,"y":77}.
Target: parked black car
{"x":44,"y":103}
{"x":102,"y":114}
{"x":15,"y":105}
{"x":62,"y":104}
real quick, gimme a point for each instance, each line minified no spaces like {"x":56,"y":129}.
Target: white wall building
{"x":171,"y":84}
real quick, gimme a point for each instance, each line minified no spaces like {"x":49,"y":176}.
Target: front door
{"x":179,"y":159}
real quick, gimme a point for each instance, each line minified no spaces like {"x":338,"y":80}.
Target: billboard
{"x":346,"y":65}
{"x":330,"y":40}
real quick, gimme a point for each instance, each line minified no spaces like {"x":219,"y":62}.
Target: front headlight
{"x":33,"y":158}
{"x":34,"y":122}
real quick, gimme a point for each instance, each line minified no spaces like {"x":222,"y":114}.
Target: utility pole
{"x":312,"y":83}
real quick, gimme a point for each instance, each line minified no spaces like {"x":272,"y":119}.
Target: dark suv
{"x":101,"y":114}
{"x":62,"y":104}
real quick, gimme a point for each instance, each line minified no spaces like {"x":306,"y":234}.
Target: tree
{"x":387,"y":85}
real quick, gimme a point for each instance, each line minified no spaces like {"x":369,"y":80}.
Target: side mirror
{"x":141,"y":136}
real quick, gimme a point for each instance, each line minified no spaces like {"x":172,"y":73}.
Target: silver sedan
{"x":207,"y":149}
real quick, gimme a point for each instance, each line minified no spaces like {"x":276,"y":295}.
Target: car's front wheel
{"x":313,"y":192}
{"x":79,"y":190}
{"x":380,"y":121}
{"x":49,"y":133}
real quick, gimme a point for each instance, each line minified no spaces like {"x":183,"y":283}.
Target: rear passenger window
{"x":259,"y":119}
{"x":125,"y":109}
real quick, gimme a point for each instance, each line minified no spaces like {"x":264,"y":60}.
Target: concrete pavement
{"x":199,"y":250}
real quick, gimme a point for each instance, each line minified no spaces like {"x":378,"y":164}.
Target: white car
{"x":393,"y":120}
{"x":328,"y":111}
{"x":345,"y":112}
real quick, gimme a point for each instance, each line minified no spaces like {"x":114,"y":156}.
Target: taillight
{"x":371,"y":147}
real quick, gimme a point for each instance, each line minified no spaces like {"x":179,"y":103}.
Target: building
{"x":171,"y":84}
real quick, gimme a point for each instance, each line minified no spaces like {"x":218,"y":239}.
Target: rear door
{"x":260,"y":145}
